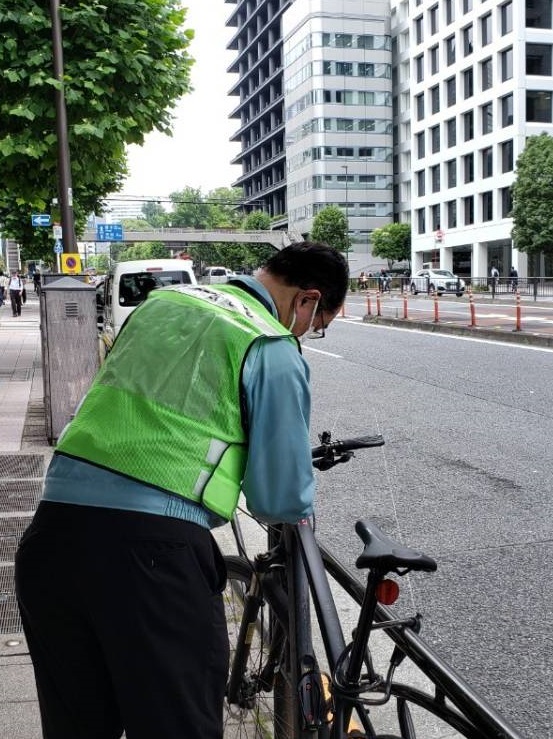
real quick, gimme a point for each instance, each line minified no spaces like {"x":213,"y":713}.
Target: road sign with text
{"x":109,"y":232}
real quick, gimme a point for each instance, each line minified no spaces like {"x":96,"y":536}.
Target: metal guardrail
{"x":536,"y":287}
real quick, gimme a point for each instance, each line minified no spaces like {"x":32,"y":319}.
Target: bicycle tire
{"x":269,"y":714}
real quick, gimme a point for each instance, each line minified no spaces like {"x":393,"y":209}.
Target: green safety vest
{"x":165,"y":408}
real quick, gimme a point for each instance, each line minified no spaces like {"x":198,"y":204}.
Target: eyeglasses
{"x":317,"y":333}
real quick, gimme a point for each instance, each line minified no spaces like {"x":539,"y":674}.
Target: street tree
{"x":257,"y":220}
{"x":392,"y":242}
{"x":126,"y":64}
{"x":533,"y":196}
{"x":330,"y":226}
{"x":155,"y":214}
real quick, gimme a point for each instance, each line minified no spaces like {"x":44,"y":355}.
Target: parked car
{"x":216,"y":275}
{"x":437,"y":280}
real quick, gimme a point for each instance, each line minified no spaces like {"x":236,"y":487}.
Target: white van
{"x":129,"y":283}
{"x":216,"y":275}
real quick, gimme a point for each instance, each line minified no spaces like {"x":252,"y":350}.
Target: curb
{"x":513,"y":337}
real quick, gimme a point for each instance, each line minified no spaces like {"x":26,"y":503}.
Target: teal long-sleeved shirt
{"x":278,"y":484}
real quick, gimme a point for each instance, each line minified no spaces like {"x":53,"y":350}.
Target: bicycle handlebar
{"x":330,"y":453}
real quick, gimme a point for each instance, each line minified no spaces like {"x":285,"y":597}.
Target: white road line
{"x":320,"y":351}
{"x":437,"y":335}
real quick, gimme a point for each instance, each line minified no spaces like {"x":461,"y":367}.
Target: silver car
{"x":437,"y":280}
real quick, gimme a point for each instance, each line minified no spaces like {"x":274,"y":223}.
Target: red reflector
{"x":387,"y":592}
{"x":154,"y":269}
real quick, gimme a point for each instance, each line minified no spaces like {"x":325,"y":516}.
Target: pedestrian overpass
{"x":177,"y":238}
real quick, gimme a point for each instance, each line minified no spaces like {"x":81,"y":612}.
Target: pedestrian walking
{"x":118,"y":578}
{"x":4,"y":287}
{"x":513,"y":277}
{"x":16,"y":293}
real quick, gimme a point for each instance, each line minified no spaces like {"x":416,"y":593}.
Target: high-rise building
{"x":260,"y":110}
{"x":481,"y":83}
{"x":320,"y":115}
{"x":338,"y":111}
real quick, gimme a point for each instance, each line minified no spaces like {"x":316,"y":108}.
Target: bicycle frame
{"x":307,"y":564}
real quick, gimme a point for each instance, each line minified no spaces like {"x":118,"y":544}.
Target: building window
{"x":487,"y":118}
{"x":344,"y":68}
{"x":486,"y":74}
{"x":433,"y":19}
{"x":420,"y":145}
{"x":468,"y":83}
{"x":421,"y":187}
{"x":451,"y":91}
{"x":421,"y":221}
{"x":486,"y":29}
{"x":435,"y":178}
{"x":451,"y":207}
{"x":450,"y":50}
{"x":435,"y":214}
{"x":451,"y":130}
{"x":507,"y":64}
{"x":468,"y":168}
{"x":538,"y":106}
{"x":449,"y":11}
{"x":418,"y":30}
{"x":419,"y":106}
{"x":468,"y":124}
{"x":506,"y":202}
{"x":467,"y":40}
{"x":468,"y":208}
{"x":506,"y":13}
{"x":435,"y":99}
{"x":507,"y":110}
{"x":433,"y":60}
{"x":451,"y":167}
{"x":435,"y":139}
{"x":538,"y":59}
{"x":487,"y":206}
{"x":538,"y":14}
{"x":507,"y":156}
{"x":487,"y":162}
{"x":467,"y":6}
{"x":419,"y":67}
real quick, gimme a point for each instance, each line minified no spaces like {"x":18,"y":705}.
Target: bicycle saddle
{"x":383,"y":553}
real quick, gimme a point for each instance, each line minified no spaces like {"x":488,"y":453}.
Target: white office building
{"x":338,"y":114}
{"x":481,"y":82}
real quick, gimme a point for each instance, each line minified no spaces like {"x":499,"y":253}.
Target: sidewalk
{"x":24,"y":456}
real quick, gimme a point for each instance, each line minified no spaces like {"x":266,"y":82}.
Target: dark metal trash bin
{"x":69,"y":339}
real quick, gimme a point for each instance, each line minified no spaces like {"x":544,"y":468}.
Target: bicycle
{"x":278,"y":686}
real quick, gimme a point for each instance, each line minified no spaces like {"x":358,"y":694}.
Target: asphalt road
{"x":466,"y":476}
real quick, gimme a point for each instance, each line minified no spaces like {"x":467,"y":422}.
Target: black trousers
{"x":15,"y":298}
{"x":125,"y":623}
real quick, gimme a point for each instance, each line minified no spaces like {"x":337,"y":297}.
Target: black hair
{"x":313,"y":265}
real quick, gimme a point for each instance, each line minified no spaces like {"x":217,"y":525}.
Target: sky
{"x":199,"y":152}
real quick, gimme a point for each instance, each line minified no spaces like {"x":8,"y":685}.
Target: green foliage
{"x":392,"y":242}
{"x":144,"y":250}
{"x":155,"y":214}
{"x":257,"y":220}
{"x":126,"y":63}
{"x":331,"y":227}
{"x":100,"y":262}
{"x":533,"y":196}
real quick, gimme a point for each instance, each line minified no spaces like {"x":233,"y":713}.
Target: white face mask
{"x":311,"y":329}
{"x":293,"y":322}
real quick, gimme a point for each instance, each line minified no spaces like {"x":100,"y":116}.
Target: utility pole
{"x":345,"y":166}
{"x":65,"y":189}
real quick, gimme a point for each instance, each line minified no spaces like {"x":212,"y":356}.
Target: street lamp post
{"x":64,"y":165}
{"x":345,"y":167}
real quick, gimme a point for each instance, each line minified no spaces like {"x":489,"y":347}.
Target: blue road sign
{"x":58,"y":247}
{"x":109,"y":232}
{"x":41,"y":219}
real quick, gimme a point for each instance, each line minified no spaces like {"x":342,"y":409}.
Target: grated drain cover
{"x":21,"y":466}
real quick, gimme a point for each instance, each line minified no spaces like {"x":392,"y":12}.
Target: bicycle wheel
{"x":265,"y":708}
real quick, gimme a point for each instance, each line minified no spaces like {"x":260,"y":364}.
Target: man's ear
{"x":310,"y":295}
